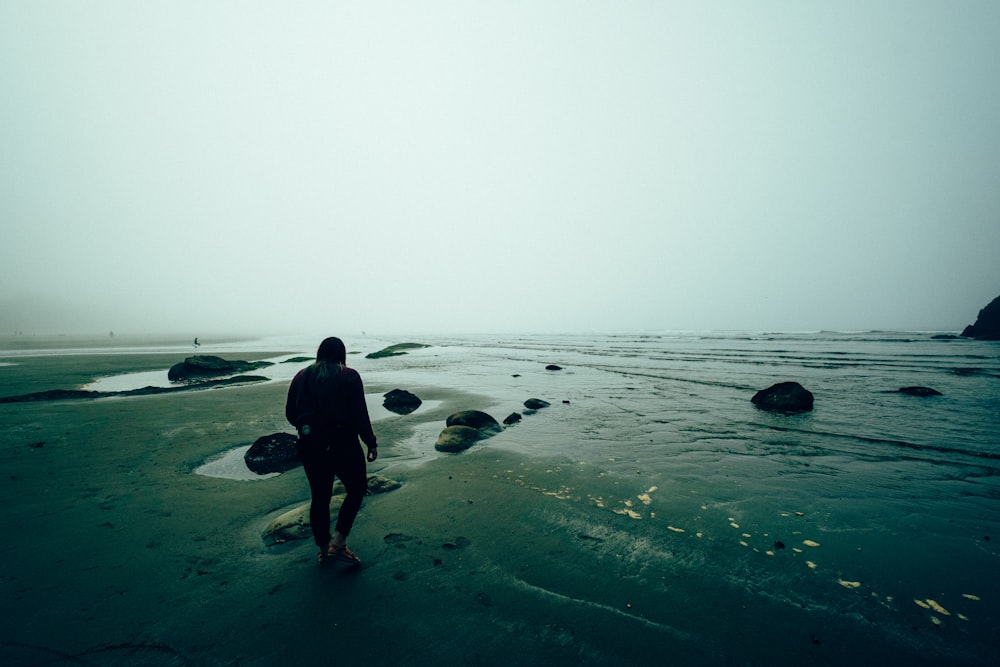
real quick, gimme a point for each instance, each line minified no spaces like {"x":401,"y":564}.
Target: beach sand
{"x":115,"y":552}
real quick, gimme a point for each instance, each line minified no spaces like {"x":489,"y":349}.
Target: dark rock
{"x":394,"y":350}
{"x":457,"y":438}
{"x":206,"y":365}
{"x":919,"y":391}
{"x":788,"y":397}
{"x":273,"y":453}
{"x":536,"y":404}
{"x":553,"y":367}
{"x":512,"y":418}
{"x":296,"y":360}
{"x":987,"y":326}
{"x":475,"y":419}
{"x":401,"y":402}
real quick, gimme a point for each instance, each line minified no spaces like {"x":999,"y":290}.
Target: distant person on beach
{"x":326,"y":404}
{"x":196,"y":343}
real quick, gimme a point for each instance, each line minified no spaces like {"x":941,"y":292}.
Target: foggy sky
{"x":497,"y":166}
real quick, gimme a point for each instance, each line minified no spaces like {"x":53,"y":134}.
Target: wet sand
{"x":116,"y":553}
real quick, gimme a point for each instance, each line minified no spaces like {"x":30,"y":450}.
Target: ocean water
{"x":877,"y":512}
{"x":877,"y":507}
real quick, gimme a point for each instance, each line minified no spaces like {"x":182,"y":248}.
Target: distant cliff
{"x":987,"y":326}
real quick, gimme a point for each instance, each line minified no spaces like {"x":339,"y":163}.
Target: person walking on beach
{"x":326,"y":404}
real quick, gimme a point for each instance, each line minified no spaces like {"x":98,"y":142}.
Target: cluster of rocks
{"x":465,"y":428}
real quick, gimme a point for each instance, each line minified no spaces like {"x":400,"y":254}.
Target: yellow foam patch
{"x":849,"y":584}
{"x":938,"y":608}
{"x":970,"y":596}
{"x":678,"y":530}
{"x":812,"y":565}
{"x":921,"y":603}
{"x":810,"y":543}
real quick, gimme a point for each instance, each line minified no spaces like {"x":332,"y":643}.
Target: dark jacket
{"x":332,"y":408}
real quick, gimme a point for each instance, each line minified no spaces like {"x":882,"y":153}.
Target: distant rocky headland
{"x":987,"y":326}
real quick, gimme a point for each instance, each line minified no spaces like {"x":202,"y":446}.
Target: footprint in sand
{"x":459,"y":543}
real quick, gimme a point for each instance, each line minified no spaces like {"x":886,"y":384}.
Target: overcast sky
{"x":548,"y":166}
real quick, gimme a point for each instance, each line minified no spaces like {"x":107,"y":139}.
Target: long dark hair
{"x":330,"y":357}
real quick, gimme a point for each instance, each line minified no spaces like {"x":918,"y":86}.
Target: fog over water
{"x":518,"y":166}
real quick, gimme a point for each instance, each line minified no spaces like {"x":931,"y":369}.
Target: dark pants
{"x":345,"y":461}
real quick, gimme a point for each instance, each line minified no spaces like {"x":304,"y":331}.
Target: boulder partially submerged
{"x":276,"y":452}
{"x":457,"y":438}
{"x":464,"y":429}
{"x":987,"y":326}
{"x":395,"y":350}
{"x":476,"y":419}
{"x":919,"y":391}
{"x":206,"y":365}
{"x":787,"y":397}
